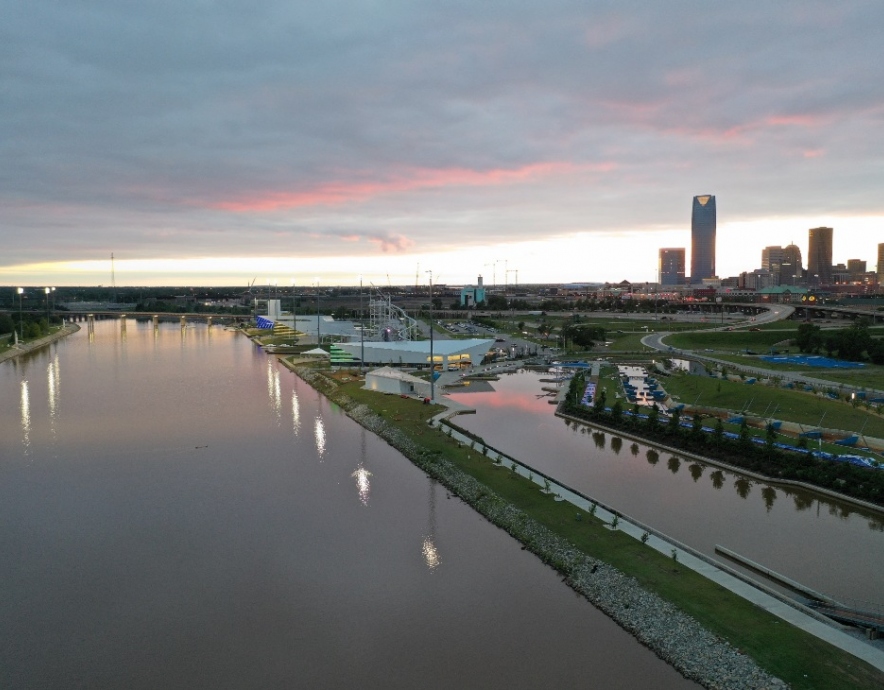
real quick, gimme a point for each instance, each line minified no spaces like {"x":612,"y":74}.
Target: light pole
{"x":432,"y":357}
{"x":318,"y":327}
{"x":47,"y":291}
{"x":21,"y":323}
{"x":361,"y":330}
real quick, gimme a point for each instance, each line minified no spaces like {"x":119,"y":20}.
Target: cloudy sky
{"x":207,"y":142}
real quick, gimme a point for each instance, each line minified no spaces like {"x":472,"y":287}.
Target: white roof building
{"x":397,"y":382}
{"x":417,"y":353}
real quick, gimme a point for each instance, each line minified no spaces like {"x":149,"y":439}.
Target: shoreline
{"x":26,"y":348}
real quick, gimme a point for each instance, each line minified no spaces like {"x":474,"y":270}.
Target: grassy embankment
{"x":800,"y":659}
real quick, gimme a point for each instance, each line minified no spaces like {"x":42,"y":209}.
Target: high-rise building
{"x":703,"y":238}
{"x":791,"y":268}
{"x":819,"y":256}
{"x":671,"y":266}
{"x":881,"y":264}
{"x":771,"y":258}
{"x":856,"y":267}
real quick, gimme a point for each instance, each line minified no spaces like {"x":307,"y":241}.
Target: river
{"x":825,"y":544}
{"x":178,"y":510}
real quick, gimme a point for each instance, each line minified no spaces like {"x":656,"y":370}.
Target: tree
{"x":808,"y":338}
{"x":674,"y":422}
{"x":617,"y":410}
{"x":7,"y":325}
{"x":718,"y":433}
{"x":496,"y":302}
{"x":653,"y":417}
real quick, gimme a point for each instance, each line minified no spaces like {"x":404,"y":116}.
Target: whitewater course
{"x":674,"y":636}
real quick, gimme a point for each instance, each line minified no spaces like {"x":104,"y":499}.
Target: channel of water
{"x":826,"y":544}
{"x":178,"y":510}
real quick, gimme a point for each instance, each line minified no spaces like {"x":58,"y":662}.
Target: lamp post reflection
{"x":362,"y":475}
{"x":429,"y":550}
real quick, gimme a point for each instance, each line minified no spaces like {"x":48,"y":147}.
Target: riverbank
{"x":24,"y":348}
{"x":630,"y":582}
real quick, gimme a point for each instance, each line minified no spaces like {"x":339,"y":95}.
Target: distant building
{"x":471,"y":295}
{"x":671,"y":266}
{"x":881,"y":264}
{"x":772,"y":258}
{"x":703,"y":223}
{"x":856,"y":267}
{"x":819,"y":256}
{"x":791,"y":268}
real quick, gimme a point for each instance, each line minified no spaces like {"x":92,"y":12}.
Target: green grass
{"x":759,"y":341}
{"x":794,"y":406}
{"x":795,"y":656}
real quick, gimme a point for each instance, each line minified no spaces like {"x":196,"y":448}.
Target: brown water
{"x":178,"y":510}
{"x":825,"y":544}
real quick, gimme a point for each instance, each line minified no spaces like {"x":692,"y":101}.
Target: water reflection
{"x":633,"y":449}
{"x":616,"y":444}
{"x":362,"y":475}
{"x":428,"y":547}
{"x":296,"y":413}
{"x":273,"y":388}
{"x":696,"y":470}
{"x":652,"y":456}
{"x":743,"y":487}
{"x":52,"y":385}
{"x":25,"y":410}
{"x":599,"y":439}
{"x":769,"y":494}
{"x":717,"y":478}
{"x":319,"y":436}
{"x":674,"y":464}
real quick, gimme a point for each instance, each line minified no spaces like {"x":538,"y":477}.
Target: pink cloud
{"x":332,"y":193}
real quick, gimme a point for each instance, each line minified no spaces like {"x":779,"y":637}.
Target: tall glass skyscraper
{"x":819,"y":256}
{"x":703,"y":238}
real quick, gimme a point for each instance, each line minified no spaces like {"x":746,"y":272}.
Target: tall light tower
{"x":21,"y":323}
{"x":318,"y":331}
{"x":362,"y":329}
{"x":432,"y":357}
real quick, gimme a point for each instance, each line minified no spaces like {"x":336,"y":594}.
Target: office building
{"x":702,"y":238}
{"x":881,"y":264}
{"x":671,"y":266}
{"x":856,"y":267}
{"x":819,"y":256}
{"x":791,"y":268}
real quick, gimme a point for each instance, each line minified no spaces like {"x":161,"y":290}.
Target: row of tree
{"x":859,"y":482}
{"x":30,"y":327}
{"x":854,"y":344}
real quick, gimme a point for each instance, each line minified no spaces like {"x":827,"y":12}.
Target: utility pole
{"x":432,"y":357}
{"x":362,"y":330}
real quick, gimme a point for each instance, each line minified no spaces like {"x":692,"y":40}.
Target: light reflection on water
{"x":53,"y":385}
{"x":319,"y":435}
{"x":25,"y":410}
{"x":273,"y":389}
{"x":296,"y":413}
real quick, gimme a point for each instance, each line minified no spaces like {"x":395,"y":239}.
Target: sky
{"x":224,"y":142}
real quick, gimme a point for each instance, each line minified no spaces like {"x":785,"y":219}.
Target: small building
{"x":396,"y":382}
{"x":471,"y":295}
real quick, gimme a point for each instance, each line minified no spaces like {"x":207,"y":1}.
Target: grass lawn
{"x":798,"y":658}
{"x":794,"y":406}
{"x":759,"y":341}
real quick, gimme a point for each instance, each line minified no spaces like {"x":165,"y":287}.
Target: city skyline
{"x":326,"y":142}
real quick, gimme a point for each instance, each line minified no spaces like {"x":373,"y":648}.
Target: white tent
{"x":396,"y":381}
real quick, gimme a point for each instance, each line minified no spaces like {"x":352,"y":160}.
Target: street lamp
{"x":432,"y":357}
{"x":361,"y":330}
{"x":318,"y":327}
{"x":21,"y":323}
{"x":47,"y":291}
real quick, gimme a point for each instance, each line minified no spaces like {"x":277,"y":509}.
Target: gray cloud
{"x":172,"y":127}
